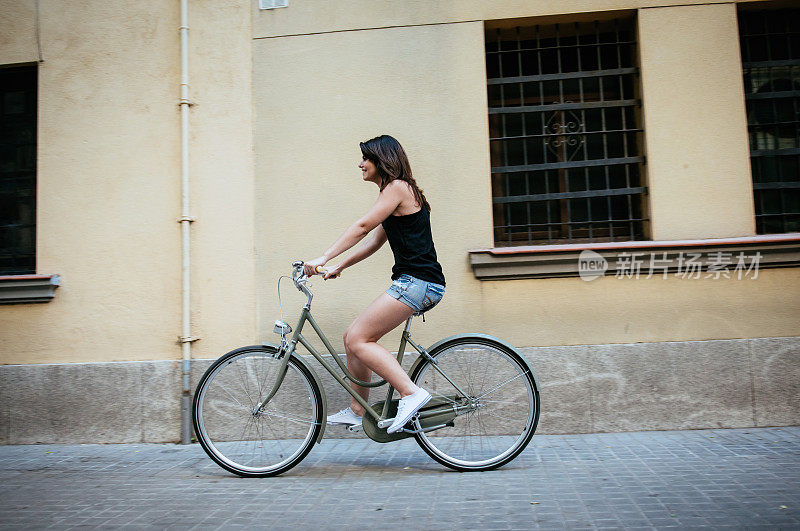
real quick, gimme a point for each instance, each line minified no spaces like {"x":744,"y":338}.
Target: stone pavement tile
{"x":717,"y":478}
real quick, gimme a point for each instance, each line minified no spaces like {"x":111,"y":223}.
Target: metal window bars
{"x":17,"y":170}
{"x":565,"y":138}
{"x":770,"y":45}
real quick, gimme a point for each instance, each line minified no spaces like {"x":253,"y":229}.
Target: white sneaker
{"x":407,"y":407}
{"x":345,"y":417}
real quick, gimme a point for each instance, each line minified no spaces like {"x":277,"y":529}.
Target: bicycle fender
{"x":317,"y":380}
{"x":456,"y":337}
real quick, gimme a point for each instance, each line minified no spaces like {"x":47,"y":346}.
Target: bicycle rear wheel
{"x":263,"y":444}
{"x":498,"y":417}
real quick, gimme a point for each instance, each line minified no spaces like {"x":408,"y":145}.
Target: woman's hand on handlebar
{"x":310,"y":267}
{"x":331,"y":272}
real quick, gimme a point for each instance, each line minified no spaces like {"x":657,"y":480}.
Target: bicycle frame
{"x":287,"y":350}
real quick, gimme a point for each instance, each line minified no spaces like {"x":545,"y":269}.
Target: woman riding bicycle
{"x":401,"y":214}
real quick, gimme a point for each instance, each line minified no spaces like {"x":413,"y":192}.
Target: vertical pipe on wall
{"x":185,"y":221}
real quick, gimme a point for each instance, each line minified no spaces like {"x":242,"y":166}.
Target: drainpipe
{"x":185,"y":220}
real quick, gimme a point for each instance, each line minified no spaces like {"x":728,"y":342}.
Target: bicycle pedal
{"x":354,"y":429}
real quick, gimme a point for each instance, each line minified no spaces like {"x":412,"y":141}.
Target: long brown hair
{"x":392,"y":163}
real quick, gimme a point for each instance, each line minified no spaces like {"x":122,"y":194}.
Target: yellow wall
{"x":18,"y":32}
{"x":222,"y":176}
{"x":314,"y":16}
{"x":108,"y":179}
{"x":426,"y":86}
{"x":274,"y":148}
{"x":570,"y":311}
{"x":698,"y":158}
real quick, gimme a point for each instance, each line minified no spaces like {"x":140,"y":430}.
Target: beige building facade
{"x":278,"y":101}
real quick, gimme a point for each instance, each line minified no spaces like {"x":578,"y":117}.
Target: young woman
{"x":401,"y":215}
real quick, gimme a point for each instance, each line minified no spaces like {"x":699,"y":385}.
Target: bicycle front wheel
{"x":249,"y":443}
{"x":497,"y":417}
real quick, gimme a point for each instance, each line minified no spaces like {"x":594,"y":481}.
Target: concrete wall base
{"x":585,"y":388}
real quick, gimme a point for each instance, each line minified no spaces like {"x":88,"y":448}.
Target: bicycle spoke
{"x":302,"y":421}
{"x":234,"y":398}
{"x":243,"y":381}
{"x":493,"y":414}
{"x":485,"y":375}
{"x":439,"y":395}
{"x":501,"y":385}
{"x":499,"y":402}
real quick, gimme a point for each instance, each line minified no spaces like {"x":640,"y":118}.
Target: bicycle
{"x":258,"y":410}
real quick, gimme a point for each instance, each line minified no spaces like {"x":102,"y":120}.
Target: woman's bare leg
{"x":364,"y":353}
{"x":363,"y":373}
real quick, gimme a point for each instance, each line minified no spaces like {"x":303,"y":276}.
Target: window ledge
{"x":17,"y":289}
{"x":556,"y":261}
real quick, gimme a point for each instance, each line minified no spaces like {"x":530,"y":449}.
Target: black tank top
{"x":412,"y":245}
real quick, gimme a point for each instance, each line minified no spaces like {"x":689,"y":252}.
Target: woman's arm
{"x":387,"y":202}
{"x":368,"y":248}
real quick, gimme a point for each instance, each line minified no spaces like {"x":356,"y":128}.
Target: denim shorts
{"x":418,"y":294}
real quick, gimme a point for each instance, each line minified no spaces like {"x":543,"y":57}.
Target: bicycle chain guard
{"x":441,"y":418}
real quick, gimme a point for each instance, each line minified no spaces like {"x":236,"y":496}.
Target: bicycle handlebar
{"x":298,"y":273}
{"x":301,"y":279}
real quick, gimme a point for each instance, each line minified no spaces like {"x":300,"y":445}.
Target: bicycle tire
{"x":267,"y":444}
{"x":506,"y":407}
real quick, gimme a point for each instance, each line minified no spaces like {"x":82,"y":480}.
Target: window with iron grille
{"x":770,"y":44}
{"x":17,"y":170}
{"x":564,"y":130}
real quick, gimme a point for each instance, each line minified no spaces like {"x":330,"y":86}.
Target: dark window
{"x":770,"y":44}
{"x":17,"y":170}
{"x":565,"y":134}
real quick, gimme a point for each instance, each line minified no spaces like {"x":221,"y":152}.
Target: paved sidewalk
{"x":719,"y":478}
